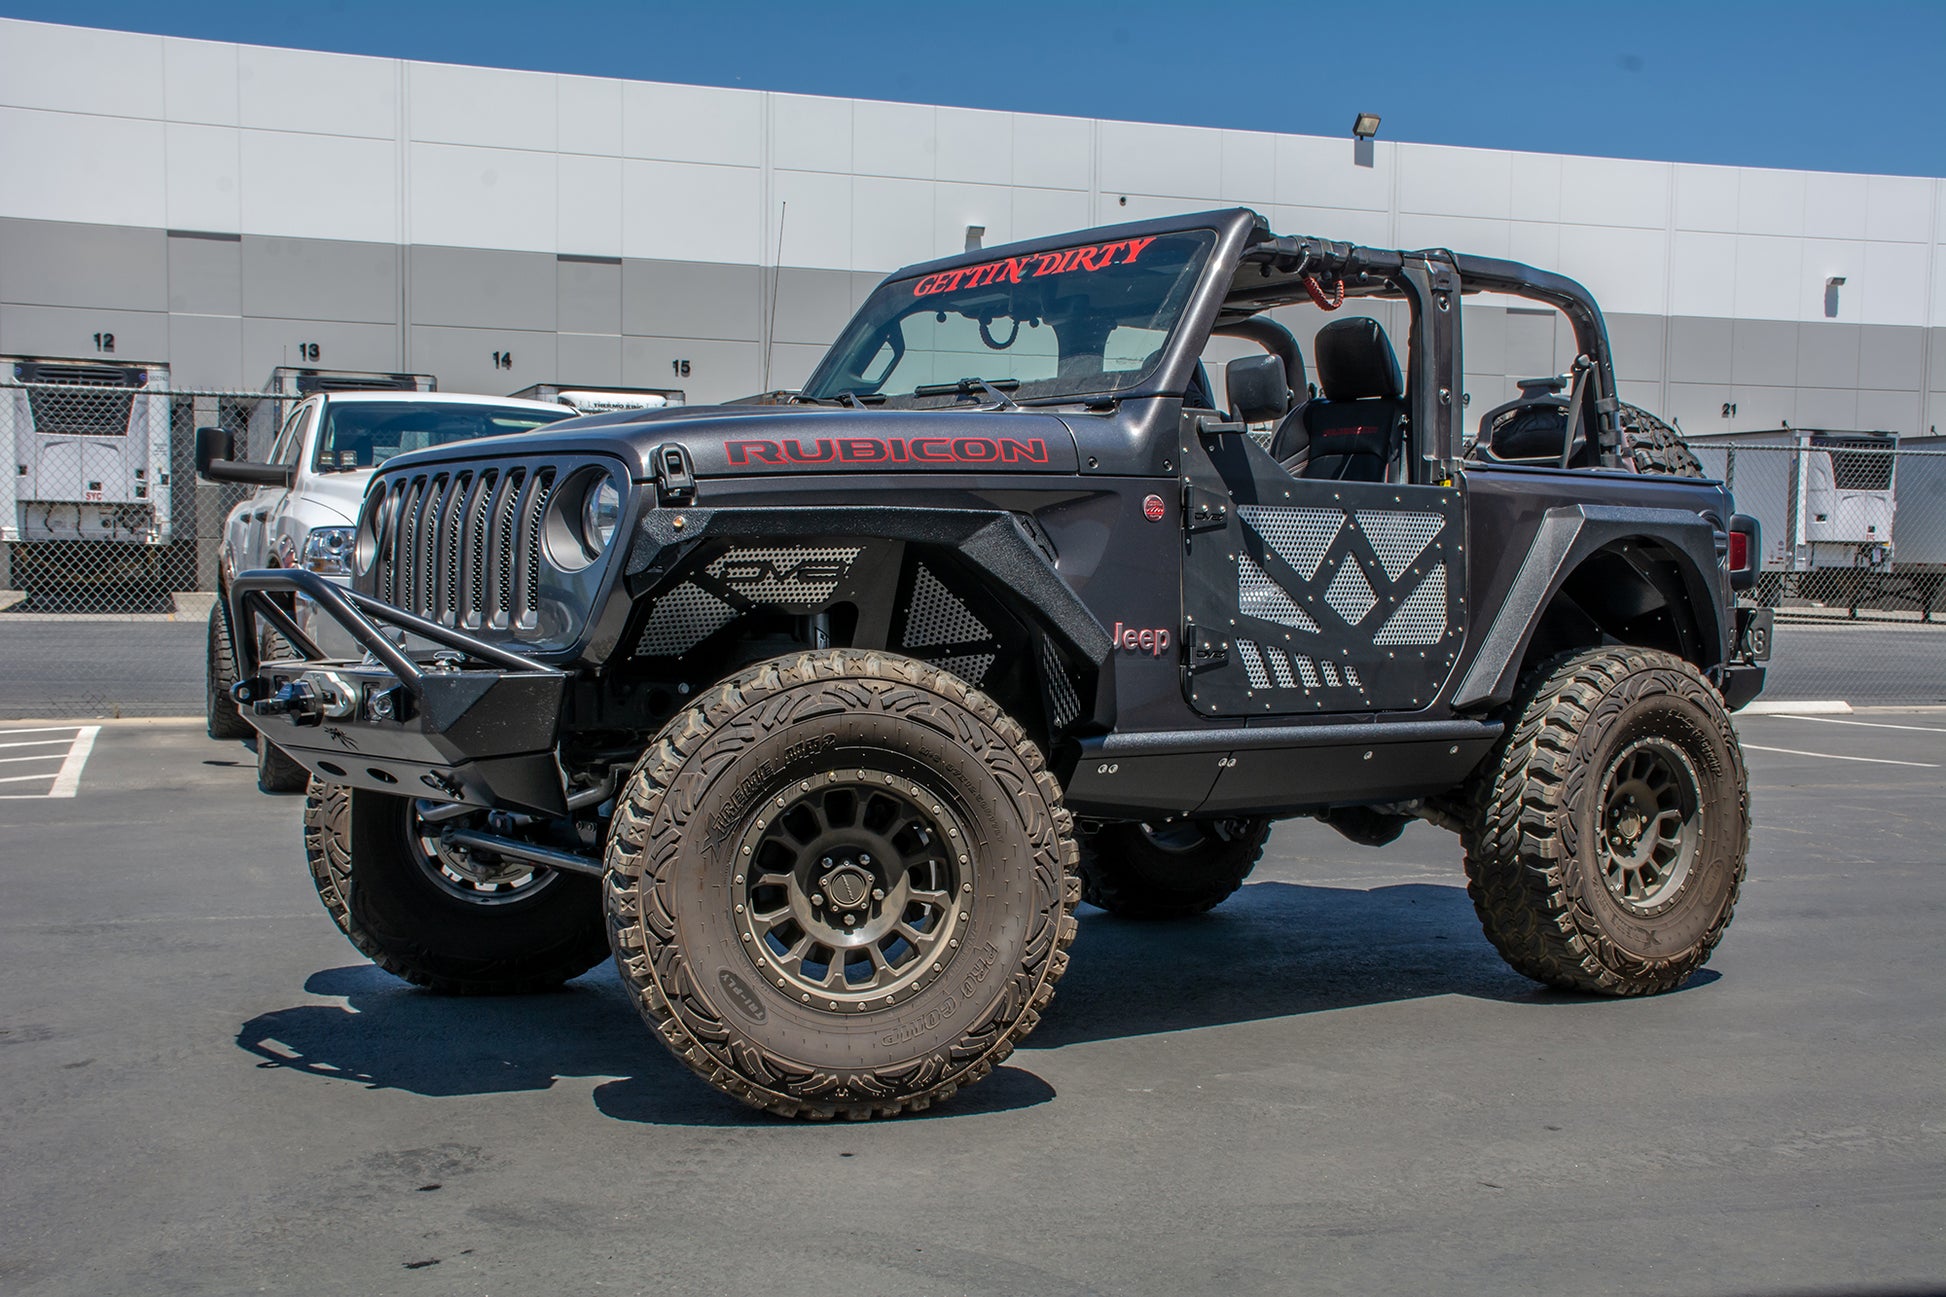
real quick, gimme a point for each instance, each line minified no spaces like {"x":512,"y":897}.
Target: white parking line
{"x":66,"y":781}
{"x":1833,"y":756}
{"x":45,"y":729}
{"x":1875,"y":725}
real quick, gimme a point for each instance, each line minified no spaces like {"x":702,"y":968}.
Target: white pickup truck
{"x":303,"y":512}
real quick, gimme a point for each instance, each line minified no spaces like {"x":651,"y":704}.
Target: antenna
{"x":776,"y":266}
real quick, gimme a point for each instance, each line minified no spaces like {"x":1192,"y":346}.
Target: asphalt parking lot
{"x":1331,"y":1084}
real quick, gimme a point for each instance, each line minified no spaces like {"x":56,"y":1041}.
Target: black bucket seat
{"x":1352,"y":430}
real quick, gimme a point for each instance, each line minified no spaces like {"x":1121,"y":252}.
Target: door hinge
{"x":1204,"y":509}
{"x":675,"y":476}
{"x":1206,"y":647}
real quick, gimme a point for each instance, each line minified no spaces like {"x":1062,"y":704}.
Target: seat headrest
{"x":1355,"y":362}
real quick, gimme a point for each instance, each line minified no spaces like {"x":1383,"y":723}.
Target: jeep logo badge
{"x":1131,"y":640}
{"x":741,"y":995}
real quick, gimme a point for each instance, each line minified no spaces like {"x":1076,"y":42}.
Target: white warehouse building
{"x":231,"y":208}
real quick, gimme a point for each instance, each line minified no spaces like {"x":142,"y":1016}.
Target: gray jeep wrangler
{"x":821,"y":716}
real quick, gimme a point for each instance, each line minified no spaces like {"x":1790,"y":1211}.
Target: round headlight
{"x":601,"y":510}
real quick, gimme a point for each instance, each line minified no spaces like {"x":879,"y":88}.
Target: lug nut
{"x":864,"y":859}
{"x":850,"y":919}
{"x":817,"y":899}
{"x":878,"y":893}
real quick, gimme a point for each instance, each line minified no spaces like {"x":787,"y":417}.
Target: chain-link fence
{"x":108,"y":541}
{"x":1854,"y":558}
{"x":108,"y":547}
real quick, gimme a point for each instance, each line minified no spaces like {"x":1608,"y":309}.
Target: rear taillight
{"x":1739,"y":551}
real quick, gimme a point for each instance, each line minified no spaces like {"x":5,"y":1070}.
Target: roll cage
{"x":1253,"y":271}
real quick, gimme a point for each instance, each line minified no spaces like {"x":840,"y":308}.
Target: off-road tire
{"x":1532,"y":816}
{"x":1653,"y":447}
{"x":356,"y":846}
{"x":828,"y":734}
{"x":276,"y":772}
{"x":222,"y":718}
{"x":1128,"y":872}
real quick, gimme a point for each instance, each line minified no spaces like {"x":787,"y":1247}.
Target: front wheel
{"x":1169,"y":871}
{"x":1605,"y":838}
{"x":220,"y":715}
{"x":839,"y":885}
{"x":443,"y":918}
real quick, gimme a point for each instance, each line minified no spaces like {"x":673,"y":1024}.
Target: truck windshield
{"x":364,"y":434}
{"x":1090,"y":320}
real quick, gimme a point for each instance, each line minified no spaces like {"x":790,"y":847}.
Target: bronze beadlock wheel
{"x":855,"y":886}
{"x":839,"y":884}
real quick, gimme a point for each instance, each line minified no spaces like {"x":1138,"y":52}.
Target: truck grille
{"x":462,"y":546}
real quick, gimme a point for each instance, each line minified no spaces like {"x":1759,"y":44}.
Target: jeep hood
{"x":727,"y":441}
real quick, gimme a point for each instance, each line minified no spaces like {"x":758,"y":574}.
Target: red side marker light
{"x":1739,"y":551}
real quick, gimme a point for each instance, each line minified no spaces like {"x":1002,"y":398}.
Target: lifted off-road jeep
{"x":822,"y":716}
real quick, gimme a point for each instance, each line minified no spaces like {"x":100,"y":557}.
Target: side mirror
{"x":1259,"y":389}
{"x":213,"y":444}
{"x":216,"y":461}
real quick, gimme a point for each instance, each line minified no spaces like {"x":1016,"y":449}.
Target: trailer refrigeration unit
{"x":90,"y":449}
{"x":601,"y":400}
{"x":1826,"y":499}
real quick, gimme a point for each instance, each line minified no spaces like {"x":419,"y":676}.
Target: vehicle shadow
{"x":1274,"y":950}
{"x":387,"y":1035}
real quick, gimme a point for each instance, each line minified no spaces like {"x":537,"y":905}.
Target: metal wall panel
{"x":483,"y":290}
{"x":321,"y":279}
{"x":62,"y":263}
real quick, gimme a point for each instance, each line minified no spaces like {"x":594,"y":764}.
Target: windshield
{"x":1080,"y":321}
{"x":364,"y":434}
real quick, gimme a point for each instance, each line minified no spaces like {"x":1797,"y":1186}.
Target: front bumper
{"x":463,"y":721}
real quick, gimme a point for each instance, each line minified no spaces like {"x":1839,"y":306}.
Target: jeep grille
{"x":462,"y":546}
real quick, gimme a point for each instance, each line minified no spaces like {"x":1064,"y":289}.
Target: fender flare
{"x":994,"y":542}
{"x":1567,"y":536}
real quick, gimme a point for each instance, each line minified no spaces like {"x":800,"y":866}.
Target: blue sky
{"x":1857,"y":86}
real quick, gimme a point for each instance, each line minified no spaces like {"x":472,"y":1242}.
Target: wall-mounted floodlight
{"x":1364,"y":126}
{"x":1831,"y":287}
{"x":974,"y":233}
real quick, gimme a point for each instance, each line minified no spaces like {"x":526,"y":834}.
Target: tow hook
{"x":297,"y":699}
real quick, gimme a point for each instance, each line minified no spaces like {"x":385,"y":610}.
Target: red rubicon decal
{"x":1153,"y":508}
{"x":1096,"y":256}
{"x":892,"y":450}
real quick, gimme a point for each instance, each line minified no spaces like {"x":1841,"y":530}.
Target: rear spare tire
{"x":1654,"y":447}
{"x":437,"y":918}
{"x":839,"y":885}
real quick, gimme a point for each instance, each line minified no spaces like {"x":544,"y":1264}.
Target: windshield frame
{"x":1188,"y":293}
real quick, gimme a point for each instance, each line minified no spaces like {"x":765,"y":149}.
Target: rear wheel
{"x":222,"y":719}
{"x":1605,"y":838}
{"x":450,"y":920}
{"x":839,"y":885}
{"x":1170,"y":870}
